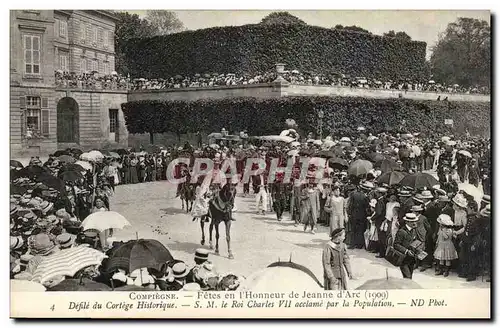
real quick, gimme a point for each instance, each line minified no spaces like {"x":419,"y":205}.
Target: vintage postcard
{"x":250,"y":164}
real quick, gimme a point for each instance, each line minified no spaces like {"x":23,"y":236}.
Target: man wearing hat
{"x":203,"y":269}
{"x":432,"y":210}
{"x":179,"y":273}
{"x":421,"y":229}
{"x":379,"y":218}
{"x":357,"y":211}
{"x":403,"y":241}
{"x":336,"y":264}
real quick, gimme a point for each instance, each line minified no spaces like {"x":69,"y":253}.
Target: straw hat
{"x":417,"y":208}
{"x":16,"y":242}
{"x":201,"y":254}
{"x":410,"y":217}
{"x":180,"y":270}
{"x":445,"y":219}
{"x":367,"y":185}
{"x":460,"y":201}
{"x":65,"y":240}
{"x":191,"y":287}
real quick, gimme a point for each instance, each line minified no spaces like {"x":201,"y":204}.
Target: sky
{"x":421,"y":25}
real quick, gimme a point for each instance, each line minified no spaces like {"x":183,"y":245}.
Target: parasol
{"x":85,"y":165}
{"x":419,"y":180}
{"x":465,"y":153}
{"x":387,"y":165}
{"x":280,"y":276}
{"x":136,"y":254}
{"x":360,"y":167}
{"x":16,"y":164}
{"x":276,"y":138}
{"x":391,"y":178}
{"x":326,"y":154}
{"x":70,"y":176}
{"x":105,"y":220}
{"x":471,"y":190}
{"x":66,"y":263}
{"x":337,"y":162}
{"x":61,"y":153}
{"x":66,"y":159}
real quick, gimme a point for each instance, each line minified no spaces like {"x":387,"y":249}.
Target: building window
{"x":83,"y":66}
{"x":88,"y":33}
{"x":106,"y":68}
{"x":32,"y":54}
{"x":95,"y":65}
{"x":63,"y":62}
{"x":94,"y":34}
{"x":33,"y":114}
{"x":57,"y":22}
{"x":63,"y":29}
{"x":113,"y":120}
{"x":105,"y":38}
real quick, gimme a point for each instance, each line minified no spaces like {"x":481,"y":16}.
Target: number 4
{"x":52,"y":307}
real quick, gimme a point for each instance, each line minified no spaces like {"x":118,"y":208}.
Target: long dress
{"x":309,"y":206}
{"x":335,"y":206}
{"x":133,"y":171}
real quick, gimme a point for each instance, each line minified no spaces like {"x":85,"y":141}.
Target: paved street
{"x":257,"y":240}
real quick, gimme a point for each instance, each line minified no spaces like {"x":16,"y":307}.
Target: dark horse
{"x":220,"y":210}
{"x":187,"y":191}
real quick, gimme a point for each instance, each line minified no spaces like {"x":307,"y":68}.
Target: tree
{"x":355,"y":28}
{"x":390,"y":34}
{"x":403,"y":36}
{"x":164,"y":22}
{"x":462,"y":53}
{"x":282,"y":17}
{"x":399,"y":35}
{"x":129,"y":27}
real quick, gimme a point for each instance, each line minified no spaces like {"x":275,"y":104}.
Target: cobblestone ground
{"x":257,"y":240}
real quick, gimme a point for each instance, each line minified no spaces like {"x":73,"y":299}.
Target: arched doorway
{"x":67,"y":121}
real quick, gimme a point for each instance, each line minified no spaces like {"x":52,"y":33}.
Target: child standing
{"x":445,"y":250}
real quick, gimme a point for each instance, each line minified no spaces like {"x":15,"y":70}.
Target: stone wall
{"x":253,"y":90}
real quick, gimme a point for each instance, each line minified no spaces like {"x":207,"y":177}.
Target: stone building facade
{"x":45,"y":116}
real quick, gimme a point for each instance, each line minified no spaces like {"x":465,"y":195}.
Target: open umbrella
{"x":71,"y":176}
{"x":67,"y":262}
{"x":16,"y":164}
{"x":280,"y":276}
{"x":462,"y":152}
{"x":75,"y":151}
{"x":31,"y":171}
{"x":387,"y":165}
{"x":104,"y":220}
{"x":419,"y":180}
{"x":85,"y":165}
{"x":122,"y":152}
{"x":61,"y":153}
{"x":326,"y":154}
{"x":51,"y":182}
{"x":391,"y":178}
{"x":375,"y":157}
{"x":73,"y":167}
{"x":79,"y":285}
{"x":360,"y":167}
{"x":95,"y":155}
{"x":66,"y":159}
{"x":471,"y":190}
{"x":338,"y":163}
{"x":17,"y":285}
{"x":389,"y":283}
{"x":114,"y":155}
{"x":137,"y":254}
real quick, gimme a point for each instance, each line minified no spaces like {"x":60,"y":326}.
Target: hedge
{"x":342,"y":115}
{"x":254,"y":49}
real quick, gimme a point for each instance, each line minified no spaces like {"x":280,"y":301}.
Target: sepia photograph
{"x":252,"y":160}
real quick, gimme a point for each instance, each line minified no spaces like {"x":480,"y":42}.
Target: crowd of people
{"x":375,"y":195}
{"x":51,"y":206}
{"x":93,"y":80}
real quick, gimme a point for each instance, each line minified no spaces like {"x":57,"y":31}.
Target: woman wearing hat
{"x":445,"y":250}
{"x":336,"y":264}
{"x":309,"y":207}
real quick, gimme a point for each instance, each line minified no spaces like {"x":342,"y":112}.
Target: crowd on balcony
{"x":114,"y":81}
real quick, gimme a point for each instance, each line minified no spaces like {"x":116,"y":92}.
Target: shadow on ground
{"x":172,"y":211}
{"x":187,"y":247}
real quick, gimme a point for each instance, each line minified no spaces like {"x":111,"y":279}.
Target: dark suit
{"x":378,"y":218}
{"x":357,"y":211}
{"x":402,"y":241}
{"x":278,"y":194}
